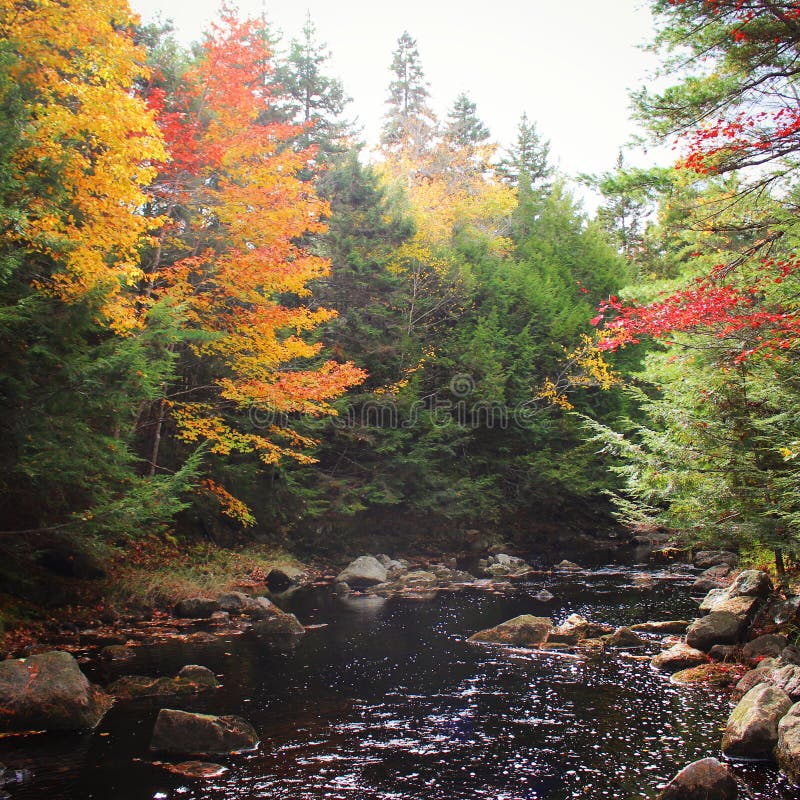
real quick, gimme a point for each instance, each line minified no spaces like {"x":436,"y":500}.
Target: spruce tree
{"x":464,"y":127}
{"x":410,"y":123}
{"x":527,"y":163}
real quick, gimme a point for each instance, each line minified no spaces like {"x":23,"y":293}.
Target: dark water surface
{"x":388,"y":701}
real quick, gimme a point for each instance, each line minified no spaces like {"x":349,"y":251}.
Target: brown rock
{"x":719,"y":627}
{"x":668,"y":626}
{"x":525,"y":630}
{"x":707,"y":779}
{"x":678,"y":657}
{"x":184,"y":732}
{"x":752,"y":729}
{"x":787,"y":751}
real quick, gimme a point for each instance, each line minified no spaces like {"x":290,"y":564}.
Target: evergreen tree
{"x":464,"y":128}
{"x":527,"y":164}
{"x":410,"y":123}
{"x":310,"y":97}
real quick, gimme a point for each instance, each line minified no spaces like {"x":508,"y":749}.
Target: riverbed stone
{"x":178,"y":731}
{"x":751,"y":583}
{"x":525,"y":630}
{"x":196,"y":607}
{"x":703,"y":585}
{"x":679,"y":656}
{"x":281,"y":578}
{"x":769,"y":644}
{"x":543,"y":596}
{"x":278,"y":623}
{"x":364,"y":571}
{"x":724,"y":652}
{"x":678,"y":626}
{"x":568,"y":566}
{"x":706,"y":779}
{"x":191,"y":679}
{"x":712,"y":600}
{"x":752,"y":728}
{"x":198,"y":770}
{"x":790,"y":654}
{"x":704,"y":559}
{"x":716,"y":675}
{"x":787,"y":750}
{"x":624,"y":637}
{"x":719,"y":627}
{"x":48,"y":691}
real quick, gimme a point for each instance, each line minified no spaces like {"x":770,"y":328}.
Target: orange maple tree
{"x":237,"y":210}
{"x":86,"y":147}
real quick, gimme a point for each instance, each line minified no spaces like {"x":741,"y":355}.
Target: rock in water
{"x":196,"y":608}
{"x":719,"y":627}
{"x":711,"y":558}
{"x":281,"y":578}
{"x":667,"y":626}
{"x":752,"y":729}
{"x":544,"y":596}
{"x":191,"y":679}
{"x":624,"y":637}
{"x":185,"y":732}
{"x":525,"y":630}
{"x":707,"y":779}
{"x":679,"y":657}
{"x":49,"y":692}
{"x":787,"y":752}
{"x":364,"y":571}
{"x":568,"y":566}
{"x":200,"y":770}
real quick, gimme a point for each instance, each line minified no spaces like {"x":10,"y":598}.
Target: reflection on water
{"x":386,"y":700}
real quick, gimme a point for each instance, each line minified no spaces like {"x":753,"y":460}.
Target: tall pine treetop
{"x":527,"y":162}
{"x":464,"y":127}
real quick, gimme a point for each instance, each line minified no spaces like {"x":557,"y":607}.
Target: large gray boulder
{"x":712,"y":558}
{"x":199,"y":734}
{"x":787,"y":751}
{"x":364,"y":571}
{"x":49,"y":692}
{"x":752,"y":728}
{"x":678,"y":657}
{"x":707,"y":779}
{"x":525,"y":630}
{"x":751,"y":583}
{"x":719,"y":627}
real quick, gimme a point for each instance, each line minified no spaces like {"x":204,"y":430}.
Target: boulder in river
{"x":787,"y":751}
{"x":505,"y":566}
{"x":719,"y":675}
{"x":624,"y":637}
{"x":185,"y":732}
{"x":704,"y":559}
{"x":768,"y":645}
{"x":785,"y":677}
{"x":190,"y":680}
{"x":678,"y":657}
{"x":525,"y":630}
{"x":543,"y":596}
{"x":198,"y":770}
{"x":752,"y":728}
{"x":706,"y":779}
{"x":568,"y":566}
{"x":719,"y":627}
{"x":364,"y":571}
{"x":667,"y":626}
{"x":196,"y":608}
{"x":281,"y":578}
{"x":48,"y":692}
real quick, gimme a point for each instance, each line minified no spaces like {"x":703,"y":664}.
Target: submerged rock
{"x":707,"y":779}
{"x":787,"y":751}
{"x":568,"y":566}
{"x":49,"y":692}
{"x":525,"y":630}
{"x":190,"y":680}
{"x":752,"y":729}
{"x":719,"y":627}
{"x":505,"y":566}
{"x":577,"y":628}
{"x":200,"y":770}
{"x":364,"y":571}
{"x":185,"y":732}
{"x":543,"y":596}
{"x":678,"y":657}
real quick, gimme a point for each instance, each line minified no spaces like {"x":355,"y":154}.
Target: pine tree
{"x":410,"y":123}
{"x":310,"y":97}
{"x":464,"y":127}
{"x":527,"y":163}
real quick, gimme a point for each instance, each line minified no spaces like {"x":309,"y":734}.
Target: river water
{"x":385,"y":700}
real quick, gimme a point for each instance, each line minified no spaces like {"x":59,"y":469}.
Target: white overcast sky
{"x":568,"y":64}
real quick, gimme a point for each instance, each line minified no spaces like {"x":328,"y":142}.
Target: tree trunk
{"x":157,"y":438}
{"x":780,"y":568}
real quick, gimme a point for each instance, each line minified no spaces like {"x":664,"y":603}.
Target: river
{"x":385,"y":700}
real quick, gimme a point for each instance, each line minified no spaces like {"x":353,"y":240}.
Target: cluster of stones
{"x":765,"y":724}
